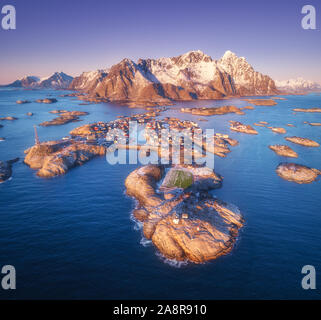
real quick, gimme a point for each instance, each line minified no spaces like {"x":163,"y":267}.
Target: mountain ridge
{"x":58,"y":80}
{"x":298,"y":85}
{"x":190,"y":76}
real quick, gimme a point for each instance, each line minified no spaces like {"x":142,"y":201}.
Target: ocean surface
{"x":73,"y":236}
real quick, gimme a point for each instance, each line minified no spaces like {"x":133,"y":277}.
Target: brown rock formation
{"x":8,"y":118}
{"x":262,"y":102}
{"x":47,"y":100}
{"x":55,"y":157}
{"x":297,"y":173}
{"x":213,"y":111}
{"x":307,"y":110}
{"x":22,"y":101}
{"x":284,"y":151}
{"x":239,"y":127}
{"x":303,"y":141}
{"x":65,"y":117}
{"x":277,"y":130}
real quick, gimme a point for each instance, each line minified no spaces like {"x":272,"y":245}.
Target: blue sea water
{"x":71,"y":237}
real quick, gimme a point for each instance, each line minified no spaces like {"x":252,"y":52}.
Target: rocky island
{"x":213,"y":110}
{"x":262,"y":102}
{"x":239,"y":127}
{"x":55,"y":158}
{"x":284,"y":151}
{"x":64,"y":117}
{"x":310,"y":110}
{"x":9,"y":118}
{"x":315,"y":124}
{"x":277,"y":129}
{"x":303,"y":141}
{"x":297,"y":173}
{"x":183,"y":221}
{"x":6,"y":169}
{"x":22,"y":101}
{"x":47,"y":100}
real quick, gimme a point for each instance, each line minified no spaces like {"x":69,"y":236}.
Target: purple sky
{"x":76,"y":36}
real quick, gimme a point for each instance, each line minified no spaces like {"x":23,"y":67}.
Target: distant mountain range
{"x":298,"y":85}
{"x":193,"y":75}
{"x":58,"y":80}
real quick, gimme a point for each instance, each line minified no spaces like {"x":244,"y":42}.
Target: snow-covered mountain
{"x":58,"y":80}
{"x":87,"y":81}
{"x":193,"y":75}
{"x":298,"y":85}
{"x":247,"y":81}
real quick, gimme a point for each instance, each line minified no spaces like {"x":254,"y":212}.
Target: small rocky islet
{"x":47,"y":100}
{"x":277,"y":130}
{"x":284,"y":151}
{"x":309,"y":110}
{"x":262,"y":102}
{"x":243,"y":128}
{"x":297,"y":173}
{"x":303,"y":141}
{"x":210,"y":111}
{"x":23,"y":101}
{"x":8,"y":118}
{"x":6,"y":169}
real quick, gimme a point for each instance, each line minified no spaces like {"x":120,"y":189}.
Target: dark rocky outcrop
{"x":47,"y":100}
{"x":6,"y":169}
